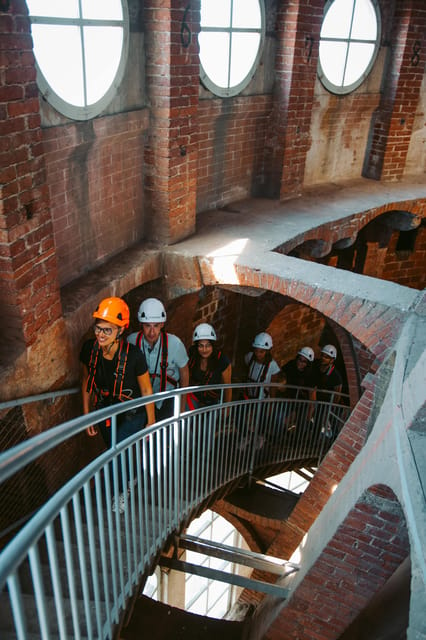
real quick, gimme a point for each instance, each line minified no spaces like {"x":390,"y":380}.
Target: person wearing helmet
{"x":261,"y":367}
{"x":165,"y":354}
{"x":207,"y":366}
{"x":328,"y":382}
{"x":298,"y":374}
{"x":114,"y":371}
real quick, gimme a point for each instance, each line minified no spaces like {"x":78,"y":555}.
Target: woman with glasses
{"x":114,"y":371}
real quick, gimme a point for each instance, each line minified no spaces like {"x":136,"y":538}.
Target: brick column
{"x":392,"y":124}
{"x":28,"y":285}
{"x":288,"y":139}
{"x":172,"y":85}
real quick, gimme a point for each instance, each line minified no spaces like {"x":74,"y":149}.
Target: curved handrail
{"x":72,"y":568}
{"x":48,"y":395}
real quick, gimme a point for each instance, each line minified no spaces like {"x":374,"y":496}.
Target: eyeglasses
{"x":107,"y":331}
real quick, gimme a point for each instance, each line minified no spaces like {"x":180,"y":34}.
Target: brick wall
{"x":407,"y":266}
{"x":392,"y":125}
{"x":172,"y":84}
{"x":364,"y":552}
{"x":29,"y":285}
{"x":95,"y":178}
{"x":231,"y":138}
{"x":294,"y":327}
{"x":339,"y":132}
{"x":288,"y":136}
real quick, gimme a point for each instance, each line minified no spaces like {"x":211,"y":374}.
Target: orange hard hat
{"x":113,"y":310}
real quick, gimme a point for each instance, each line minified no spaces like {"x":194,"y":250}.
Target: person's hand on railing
{"x":92,"y":431}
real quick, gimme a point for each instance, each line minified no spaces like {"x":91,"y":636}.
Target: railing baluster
{"x":56,"y":582}
{"x":39,"y":592}
{"x":18,"y":612}
{"x":70,"y":569}
{"x":81,"y":546}
{"x":103,"y":545}
{"x":92,"y":554}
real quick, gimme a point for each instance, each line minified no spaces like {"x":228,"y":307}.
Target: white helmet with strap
{"x":307,"y":353}
{"x":152,"y":310}
{"x":330,"y":350}
{"x":262,"y":341}
{"x":204,"y":331}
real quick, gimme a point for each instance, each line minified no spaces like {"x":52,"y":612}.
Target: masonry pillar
{"x":172,"y":85}
{"x":392,"y":124}
{"x":29,"y":287}
{"x":288,"y":139}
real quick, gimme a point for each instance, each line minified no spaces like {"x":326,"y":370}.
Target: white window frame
{"x":88,"y":111}
{"x":226,"y":92}
{"x":343,"y":90}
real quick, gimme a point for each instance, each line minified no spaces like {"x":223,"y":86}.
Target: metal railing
{"x":72,"y":569}
{"x":21,"y":419}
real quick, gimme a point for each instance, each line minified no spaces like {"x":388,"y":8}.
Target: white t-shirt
{"x":256,"y":371}
{"x":177,"y":358}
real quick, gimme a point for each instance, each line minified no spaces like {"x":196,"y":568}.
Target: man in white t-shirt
{"x":164,"y":352}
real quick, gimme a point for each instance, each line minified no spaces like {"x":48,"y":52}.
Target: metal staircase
{"x":73,"y":568}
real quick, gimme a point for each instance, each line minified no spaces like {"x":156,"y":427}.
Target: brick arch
{"x":347,"y":350}
{"x":221,"y":507}
{"x":374,"y":318}
{"x":350,"y":226}
{"x":364,"y":552}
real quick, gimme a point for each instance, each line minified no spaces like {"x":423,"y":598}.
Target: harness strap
{"x":164,"y":356}
{"x":264,"y":371}
{"x":121,"y":367}
{"x":91,"y":386}
{"x":118,"y":374}
{"x":164,"y":378}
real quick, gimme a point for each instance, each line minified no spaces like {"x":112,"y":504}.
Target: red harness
{"x":164,"y":378}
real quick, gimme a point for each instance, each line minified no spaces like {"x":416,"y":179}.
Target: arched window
{"x":201,"y":595}
{"x":231,"y":39}
{"x":349,"y":43}
{"x":81,"y":51}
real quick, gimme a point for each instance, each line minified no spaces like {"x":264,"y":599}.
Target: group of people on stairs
{"x":116,"y":368}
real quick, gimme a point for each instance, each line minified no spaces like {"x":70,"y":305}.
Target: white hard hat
{"x":329,"y":350}
{"x":307,"y":353}
{"x":262,"y":341}
{"x":152,"y":310}
{"x":204,"y":331}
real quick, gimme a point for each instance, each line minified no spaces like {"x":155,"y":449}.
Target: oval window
{"x":349,"y":43}
{"x":81,"y":51}
{"x":231,"y":40}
